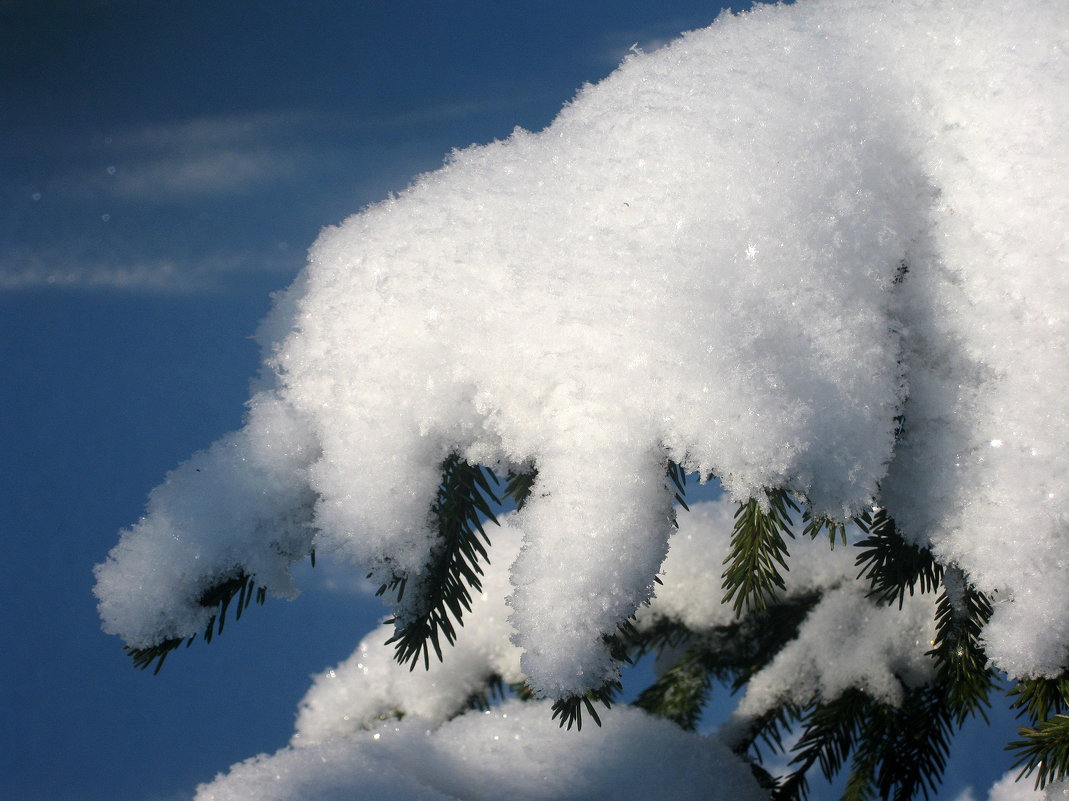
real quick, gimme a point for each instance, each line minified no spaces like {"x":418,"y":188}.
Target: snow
{"x":513,"y":751}
{"x":369,"y":685}
{"x":1008,"y":789}
{"x":754,"y":251}
{"x":876,"y":649}
{"x":880,"y":649}
{"x":348,"y":733}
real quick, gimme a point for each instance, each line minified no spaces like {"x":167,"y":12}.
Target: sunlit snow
{"x":756,"y":252}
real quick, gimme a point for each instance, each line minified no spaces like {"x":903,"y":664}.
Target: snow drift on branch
{"x":335,"y":746}
{"x":514,"y":751}
{"x":756,"y":251}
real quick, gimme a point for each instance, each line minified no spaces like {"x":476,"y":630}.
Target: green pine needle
{"x":1044,"y":751}
{"x":1045,"y":747}
{"x":1042,"y":697}
{"x":219,"y":597}
{"x":518,"y":486}
{"x":443,"y":593}
{"x":892,"y":565}
{"x":962,"y":672}
{"x":569,"y":710}
{"x":751,"y":578}
{"x":814,"y":525}
{"x":895,"y":753}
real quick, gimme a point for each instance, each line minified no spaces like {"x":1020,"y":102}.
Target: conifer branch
{"x":680,"y":692}
{"x":518,"y":486}
{"x":481,"y":700}
{"x":830,"y":731}
{"x":898,"y":752}
{"x":1041,"y":697}
{"x":443,"y":593}
{"x":814,"y":525}
{"x":962,"y":673}
{"x":731,"y":654}
{"x":892,"y":565}
{"x":678,"y":476}
{"x":1044,"y":751}
{"x":569,"y":710}
{"x":752,"y":577}
{"x":218,"y":596}
{"x":913,"y":749}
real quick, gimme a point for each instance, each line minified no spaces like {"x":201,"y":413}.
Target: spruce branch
{"x":1044,"y":751}
{"x":830,"y":730}
{"x":892,"y":565}
{"x":219,"y":597}
{"x":962,"y":672}
{"x":518,"y":486}
{"x":678,"y":476}
{"x":898,"y":753}
{"x":569,"y":710}
{"x":814,"y":525}
{"x":731,"y":654}
{"x":752,"y":577}
{"x":443,"y":591}
{"x":494,"y":689}
{"x":680,"y":692}
{"x":1041,"y":697}
{"x":914,"y":748}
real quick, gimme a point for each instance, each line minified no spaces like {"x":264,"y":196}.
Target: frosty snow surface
{"x":750,"y":252}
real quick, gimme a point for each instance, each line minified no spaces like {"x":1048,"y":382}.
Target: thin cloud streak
{"x":169,"y":276}
{"x":200,"y":174}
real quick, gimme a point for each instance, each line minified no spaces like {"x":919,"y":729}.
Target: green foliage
{"x":494,"y":689}
{"x":892,"y":565}
{"x":518,"y":486}
{"x":569,"y":711}
{"x":961,"y":665}
{"x":1041,"y":698}
{"x":1044,"y":750}
{"x":830,"y":730}
{"x":444,"y":592}
{"x":730,"y":654}
{"x":812,"y":526}
{"x":758,"y":549}
{"x":218,"y":596}
{"x":1044,"y":747}
{"x":895,"y":753}
{"x":678,"y":476}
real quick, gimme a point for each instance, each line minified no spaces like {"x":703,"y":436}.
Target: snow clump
{"x":818,"y":247}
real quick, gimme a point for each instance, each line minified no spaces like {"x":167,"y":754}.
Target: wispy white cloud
{"x":185,"y":176}
{"x":214,"y":131}
{"x":64,"y":269}
{"x":203,"y":156}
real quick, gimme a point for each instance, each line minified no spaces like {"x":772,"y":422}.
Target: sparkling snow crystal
{"x":757,"y":252}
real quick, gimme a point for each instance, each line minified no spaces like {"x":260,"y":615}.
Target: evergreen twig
{"x":1044,"y":747}
{"x":751,"y":577}
{"x":518,"y":486}
{"x":219,"y":597}
{"x":444,"y":589}
{"x":892,"y":565}
{"x":1044,"y":751}
{"x":961,"y":665}
{"x":569,"y":710}
{"x":897,"y":752}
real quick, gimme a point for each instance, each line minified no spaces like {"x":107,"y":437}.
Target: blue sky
{"x":167,"y":166}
